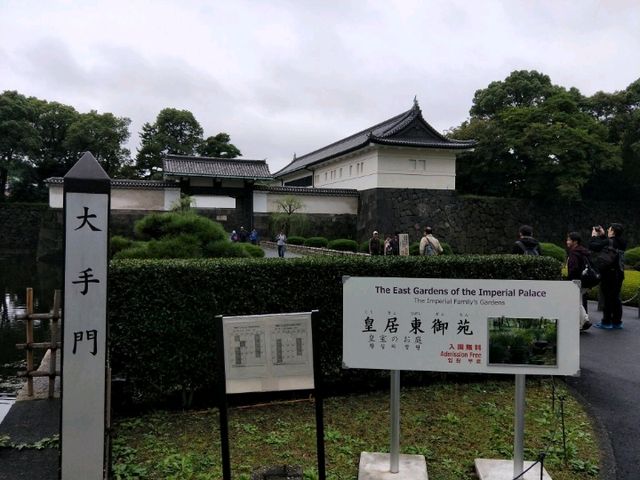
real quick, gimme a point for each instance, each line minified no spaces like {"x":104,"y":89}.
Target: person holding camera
{"x":612,"y":275}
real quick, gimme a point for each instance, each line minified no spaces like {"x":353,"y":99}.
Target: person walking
{"x":526,"y":244}
{"x":429,"y":245}
{"x":281,"y":241}
{"x":611,"y":276}
{"x":577,"y":258}
{"x":375,"y":246}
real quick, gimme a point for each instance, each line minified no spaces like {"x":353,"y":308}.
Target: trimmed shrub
{"x":630,"y":287}
{"x":253,"y":250}
{"x":414,"y":248}
{"x":318,"y":242}
{"x":224,"y":248}
{"x":162,"y":312}
{"x":295,"y":240}
{"x":343,"y":244}
{"x":632,"y":256}
{"x":160,"y":225}
{"x":118,"y":243}
{"x":446,"y":248}
{"x":554,"y":251}
{"x":181,"y":246}
{"x":364,"y":246}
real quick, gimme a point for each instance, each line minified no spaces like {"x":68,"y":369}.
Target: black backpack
{"x":609,"y":258}
{"x":528,"y":250}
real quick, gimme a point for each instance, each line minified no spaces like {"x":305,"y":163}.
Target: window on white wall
{"x":422,"y":164}
{"x":340,"y":172}
{"x":325,"y":176}
{"x":412,"y":164}
{"x":350,"y":170}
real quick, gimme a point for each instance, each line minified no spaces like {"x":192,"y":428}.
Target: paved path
{"x":609,"y":385}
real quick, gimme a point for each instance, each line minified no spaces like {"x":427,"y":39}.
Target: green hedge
{"x":318,"y":242}
{"x":632,"y":256}
{"x":295,"y":240}
{"x":553,"y":250}
{"x":343,"y":244}
{"x":161,"y":312}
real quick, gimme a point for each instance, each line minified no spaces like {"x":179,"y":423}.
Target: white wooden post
{"x":84,"y":327}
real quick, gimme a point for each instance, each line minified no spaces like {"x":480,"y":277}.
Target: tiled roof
{"x":125,"y":183}
{"x":180,"y":165}
{"x":339,"y":192}
{"x":408,"y":129}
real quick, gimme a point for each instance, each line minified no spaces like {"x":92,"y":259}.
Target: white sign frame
{"x":276,"y":353}
{"x":464,"y":306}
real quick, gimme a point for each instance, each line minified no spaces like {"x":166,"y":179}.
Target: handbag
{"x":590,"y":277}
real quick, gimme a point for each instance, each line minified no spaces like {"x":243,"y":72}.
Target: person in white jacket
{"x":429,"y":245}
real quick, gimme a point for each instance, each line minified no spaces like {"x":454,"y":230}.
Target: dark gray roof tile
{"x":407,"y":129}
{"x":180,"y":165}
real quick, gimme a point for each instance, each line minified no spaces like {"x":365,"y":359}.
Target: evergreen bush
{"x":295,"y":240}
{"x":632,"y":256}
{"x":253,"y":250}
{"x":554,"y":251}
{"x":318,"y":242}
{"x":162,"y":312}
{"x":364,"y":246}
{"x":343,"y":244}
{"x":118,"y":243}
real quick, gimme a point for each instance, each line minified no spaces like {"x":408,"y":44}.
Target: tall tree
{"x":18,"y":135}
{"x":219,"y":146}
{"x":533,"y":141}
{"x":619,"y":112}
{"x":103,"y":135}
{"x":174,"y":132}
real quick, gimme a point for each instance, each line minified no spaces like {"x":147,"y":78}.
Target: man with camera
{"x":608,"y":255}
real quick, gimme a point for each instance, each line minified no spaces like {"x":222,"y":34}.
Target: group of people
{"x":429,"y":245}
{"x":243,"y":236}
{"x":602,"y":242}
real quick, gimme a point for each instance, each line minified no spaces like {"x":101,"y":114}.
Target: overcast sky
{"x":293,"y":76}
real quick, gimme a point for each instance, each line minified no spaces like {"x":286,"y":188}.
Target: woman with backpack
{"x":609,"y":245}
{"x":577,"y":260}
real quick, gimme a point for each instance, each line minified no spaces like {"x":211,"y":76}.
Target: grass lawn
{"x":450,"y":424}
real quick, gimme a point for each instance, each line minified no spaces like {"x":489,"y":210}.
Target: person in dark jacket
{"x":611,"y":278}
{"x":526,"y":244}
{"x":375,"y":245}
{"x":577,"y":256}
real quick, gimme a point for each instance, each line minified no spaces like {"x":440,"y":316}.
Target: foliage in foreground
{"x":162,"y":312}
{"x":450,"y":424}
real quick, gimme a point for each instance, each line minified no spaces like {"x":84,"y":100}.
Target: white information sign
{"x":449,"y":325}
{"x":268,"y":352}
{"x":84,"y":342}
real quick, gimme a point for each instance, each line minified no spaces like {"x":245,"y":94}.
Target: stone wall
{"x":20,"y":227}
{"x":484,"y":224}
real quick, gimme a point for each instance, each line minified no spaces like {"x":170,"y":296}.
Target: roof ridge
{"x":173,"y":156}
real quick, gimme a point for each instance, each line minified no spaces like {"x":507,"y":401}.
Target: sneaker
{"x":586,"y":326}
{"x":617,"y":326}
{"x":605,"y":326}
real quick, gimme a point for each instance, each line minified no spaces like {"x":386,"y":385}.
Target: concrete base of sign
{"x":488,"y":469}
{"x":375,"y":466}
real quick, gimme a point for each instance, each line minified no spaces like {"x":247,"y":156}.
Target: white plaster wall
{"x":130,"y":199}
{"x":127,"y":199}
{"x":416,"y":168}
{"x":353,"y":171}
{"x":56,"y":196}
{"x":317,"y":204}
{"x":260,"y":202}
{"x":213,"y":201}
{"x":171,"y":197}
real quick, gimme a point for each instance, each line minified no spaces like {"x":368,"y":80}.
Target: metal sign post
{"x":394,"y":456}
{"x":518,"y":437}
{"x":84,"y":333}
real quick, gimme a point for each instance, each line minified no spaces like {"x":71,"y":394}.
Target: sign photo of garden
{"x":523,"y":341}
